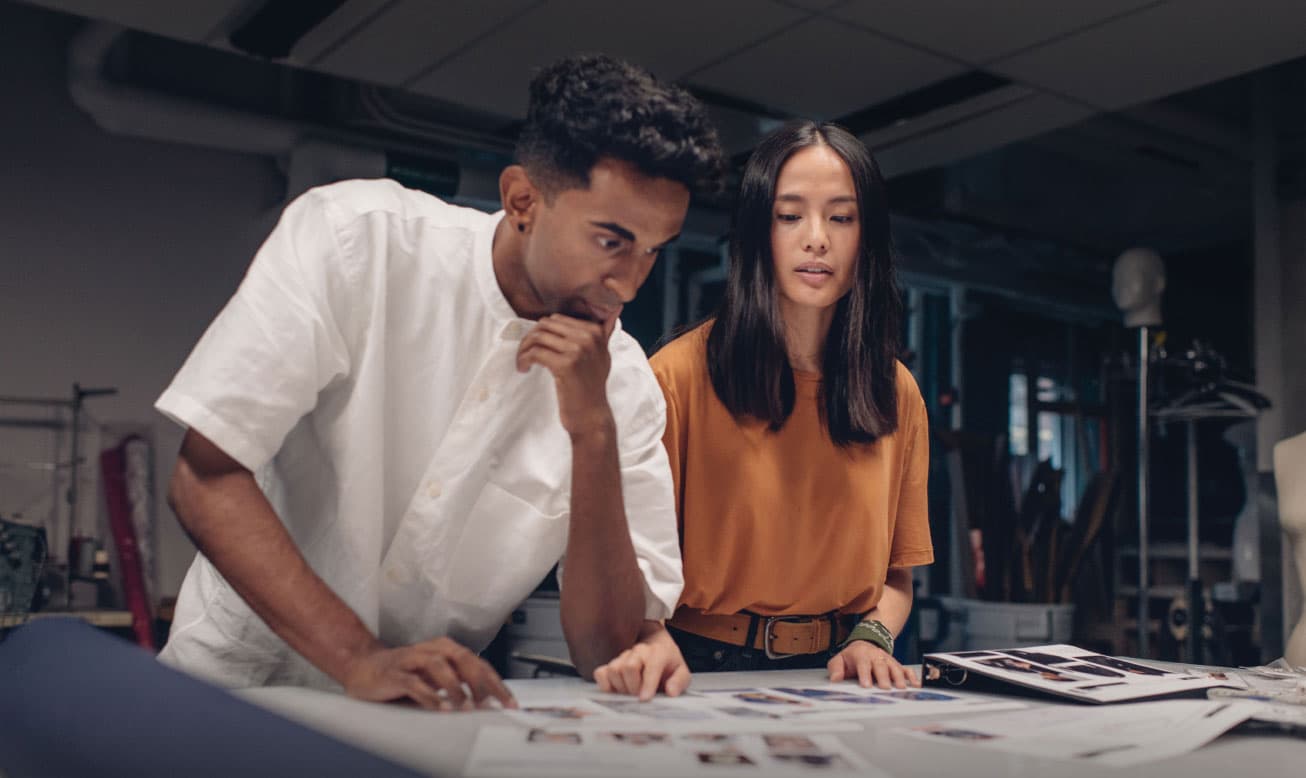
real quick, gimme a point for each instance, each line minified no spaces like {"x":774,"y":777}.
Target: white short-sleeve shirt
{"x":365,"y":371}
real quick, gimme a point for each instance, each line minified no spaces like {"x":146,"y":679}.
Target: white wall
{"x":114,"y":253}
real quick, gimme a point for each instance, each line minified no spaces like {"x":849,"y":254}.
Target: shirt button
{"x":514,"y":330}
{"x":482,"y":394}
{"x":433,"y":489}
{"x":494,"y":461}
{"x":392,"y":575}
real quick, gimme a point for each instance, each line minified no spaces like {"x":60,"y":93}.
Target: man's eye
{"x":609,"y":244}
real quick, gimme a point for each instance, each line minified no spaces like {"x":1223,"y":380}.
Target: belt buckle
{"x":766,"y":634}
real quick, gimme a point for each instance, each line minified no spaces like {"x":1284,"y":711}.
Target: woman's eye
{"x":843,"y":219}
{"x":787,"y":217}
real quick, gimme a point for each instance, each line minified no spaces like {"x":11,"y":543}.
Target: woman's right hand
{"x":653,"y":664}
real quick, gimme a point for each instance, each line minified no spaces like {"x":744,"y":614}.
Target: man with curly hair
{"x":410,"y":412}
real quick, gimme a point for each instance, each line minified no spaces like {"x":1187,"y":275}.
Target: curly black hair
{"x":593,"y":105}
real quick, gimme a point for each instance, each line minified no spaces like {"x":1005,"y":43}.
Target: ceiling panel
{"x":813,"y":5}
{"x":1015,"y":120}
{"x":192,"y":20}
{"x":414,"y":34}
{"x":1162,"y":50}
{"x":494,"y":74}
{"x":335,"y":29}
{"x":977,"y":32}
{"x":824,"y":69}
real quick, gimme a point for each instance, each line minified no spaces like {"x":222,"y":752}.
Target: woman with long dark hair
{"x":798,"y":442}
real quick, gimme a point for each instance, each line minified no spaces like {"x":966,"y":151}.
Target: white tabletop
{"x":440,"y":743}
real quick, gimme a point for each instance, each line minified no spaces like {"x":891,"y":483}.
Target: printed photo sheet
{"x":1079,"y":673}
{"x":751,"y":709}
{"x":510,"y":752}
{"x":1115,"y":736}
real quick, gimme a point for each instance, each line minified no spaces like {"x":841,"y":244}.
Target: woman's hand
{"x":870,"y":664}
{"x":653,"y":664}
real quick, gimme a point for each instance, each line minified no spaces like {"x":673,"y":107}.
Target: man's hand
{"x":871,"y":665}
{"x":576,"y":352}
{"x":432,"y":674}
{"x":652,"y":664}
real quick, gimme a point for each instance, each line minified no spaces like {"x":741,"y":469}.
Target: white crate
{"x":535,"y":627}
{"x":979,"y":624}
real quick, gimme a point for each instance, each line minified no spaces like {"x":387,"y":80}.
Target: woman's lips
{"x":815,"y":274}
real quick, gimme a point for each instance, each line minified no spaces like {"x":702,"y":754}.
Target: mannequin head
{"x":1136,"y":284}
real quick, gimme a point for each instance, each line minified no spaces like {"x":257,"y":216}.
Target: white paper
{"x":752,"y":709}
{"x":1079,"y":673}
{"x":848,"y":701}
{"x":508,"y":752}
{"x":1289,"y":716}
{"x":1115,"y":736}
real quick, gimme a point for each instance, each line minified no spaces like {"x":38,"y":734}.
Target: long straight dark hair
{"x":746,"y":353}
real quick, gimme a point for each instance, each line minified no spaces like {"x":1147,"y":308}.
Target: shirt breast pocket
{"x":505,"y":549}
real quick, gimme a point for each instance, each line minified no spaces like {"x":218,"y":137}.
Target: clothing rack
{"x":1189,"y":416}
{"x":74,"y":404}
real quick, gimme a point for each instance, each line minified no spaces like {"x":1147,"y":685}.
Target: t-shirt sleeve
{"x":673,"y":438}
{"x":911,"y":532}
{"x":277,"y":343}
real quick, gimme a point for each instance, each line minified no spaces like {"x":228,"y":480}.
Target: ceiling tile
{"x":493,"y":75}
{"x":813,"y":5}
{"x":947,"y":142}
{"x":825,"y":69}
{"x":1163,"y":50}
{"x":335,"y":29}
{"x":191,"y":21}
{"x":412,"y":35}
{"x":977,"y":32}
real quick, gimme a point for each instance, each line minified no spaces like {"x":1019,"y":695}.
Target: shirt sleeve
{"x":911,"y":531}
{"x":673,"y":441}
{"x":261,"y":364}
{"x":646,"y":487}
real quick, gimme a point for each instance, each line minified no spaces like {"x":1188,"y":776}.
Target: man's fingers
{"x":835,"y":667}
{"x":546,"y":358}
{"x":475,"y":672}
{"x":544,"y":344}
{"x":569,"y":327}
{"x":499,"y":691}
{"x":440,"y":674}
{"x":550,"y":340}
{"x":422,"y":693}
{"x":678,"y":681}
{"x":491,"y":687}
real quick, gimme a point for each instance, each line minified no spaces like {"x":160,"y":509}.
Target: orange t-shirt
{"x":786,"y":522}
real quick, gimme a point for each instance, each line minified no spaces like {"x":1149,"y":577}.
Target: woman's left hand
{"x":870,"y":664}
